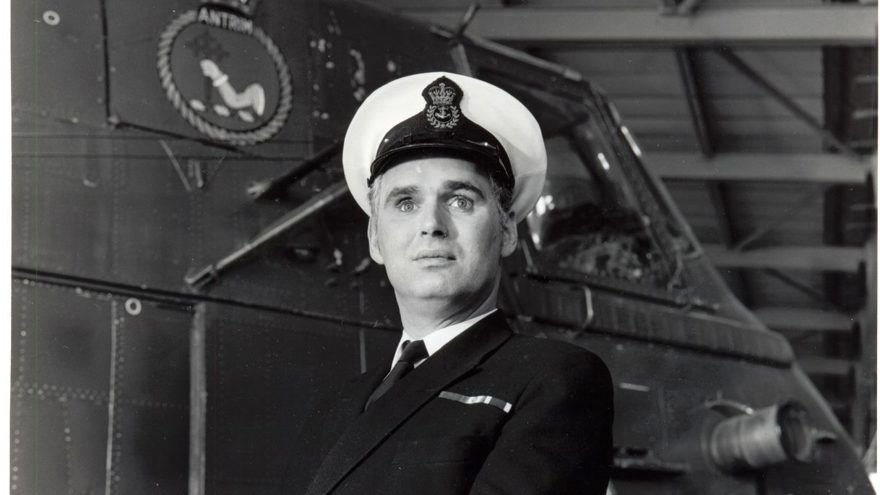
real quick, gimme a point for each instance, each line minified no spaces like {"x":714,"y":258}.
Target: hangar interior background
{"x":760,"y":116}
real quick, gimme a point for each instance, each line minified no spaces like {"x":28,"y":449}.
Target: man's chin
{"x":429,"y":294}
{"x":422,"y":288}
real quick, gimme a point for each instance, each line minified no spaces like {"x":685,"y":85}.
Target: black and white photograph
{"x":408,"y":247}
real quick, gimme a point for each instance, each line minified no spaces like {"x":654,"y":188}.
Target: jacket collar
{"x":458,"y":357}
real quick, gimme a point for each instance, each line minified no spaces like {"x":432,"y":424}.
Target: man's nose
{"x":434,"y":222}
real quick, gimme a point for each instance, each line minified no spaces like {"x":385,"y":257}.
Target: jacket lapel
{"x":456,"y":358}
{"x":350,"y":399}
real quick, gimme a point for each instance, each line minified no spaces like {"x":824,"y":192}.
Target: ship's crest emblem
{"x":441,"y":103}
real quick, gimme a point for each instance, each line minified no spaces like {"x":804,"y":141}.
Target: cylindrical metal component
{"x":769,"y":436}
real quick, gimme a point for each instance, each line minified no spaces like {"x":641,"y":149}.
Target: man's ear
{"x":509,"y":239}
{"x":375,"y":252}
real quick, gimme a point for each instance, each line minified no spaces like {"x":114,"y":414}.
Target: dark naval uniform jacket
{"x":490,"y":412}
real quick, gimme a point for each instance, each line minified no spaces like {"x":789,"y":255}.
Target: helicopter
{"x":189,"y":271}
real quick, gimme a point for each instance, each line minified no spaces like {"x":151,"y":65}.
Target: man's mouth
{"x":435,"y":254}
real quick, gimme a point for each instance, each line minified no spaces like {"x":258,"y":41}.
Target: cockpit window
{"x":588,"y":220}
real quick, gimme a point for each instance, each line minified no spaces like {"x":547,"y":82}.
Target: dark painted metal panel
{"x":113,"y":207}
{"x":39,"y":456}
{"x":97,"y":216}
{"x":61,"y":340}
{"x":152,"y":455}
{"x":61,"y":221}
{"x":249,"y":428}
{"x":152,"y":355}
{"x":69,"y":346}
{"x":149,"y":408}
{"x":354,"y":49}
{"x":378,"y":347}
{"x":152,"y":214}
{"x":87,"y":447}
{"x":60,"y":347}
{"x":57,"y":51}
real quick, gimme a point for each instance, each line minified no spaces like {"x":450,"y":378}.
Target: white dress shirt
{"x":438,"y":338}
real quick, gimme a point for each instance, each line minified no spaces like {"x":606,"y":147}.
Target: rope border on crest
{"x":285,"y":102}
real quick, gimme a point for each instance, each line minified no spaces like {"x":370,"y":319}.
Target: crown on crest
{"x":442,"y":92}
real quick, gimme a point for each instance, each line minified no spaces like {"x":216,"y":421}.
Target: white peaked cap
{"x":437,"y":111}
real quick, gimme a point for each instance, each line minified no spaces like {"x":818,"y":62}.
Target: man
{"x":445,"y":166}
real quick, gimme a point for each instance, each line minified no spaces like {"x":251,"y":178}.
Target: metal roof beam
{"x":805,"y":319}
{"x":821,"y":258}
{"x":814,"y":365}
{"x":830,"y":24}
{"x":763,"y":167}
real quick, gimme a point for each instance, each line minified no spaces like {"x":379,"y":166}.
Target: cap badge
{"x":442,"y":97}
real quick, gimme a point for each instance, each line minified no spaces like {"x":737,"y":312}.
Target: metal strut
{"x":457,"y":50}
{"x":739,"y":64}
{"x":315,"y":204}
{"x":272,"y":187}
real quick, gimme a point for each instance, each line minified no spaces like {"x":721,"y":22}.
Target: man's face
{"x":438,"y":230}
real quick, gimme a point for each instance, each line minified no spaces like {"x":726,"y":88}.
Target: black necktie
{"x":413,"y":352}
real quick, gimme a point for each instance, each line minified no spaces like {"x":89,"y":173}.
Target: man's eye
{"x":462,"y":203}
{"x":406,"y":205}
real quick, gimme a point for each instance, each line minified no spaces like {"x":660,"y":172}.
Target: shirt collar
{"x":438,"y":338}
